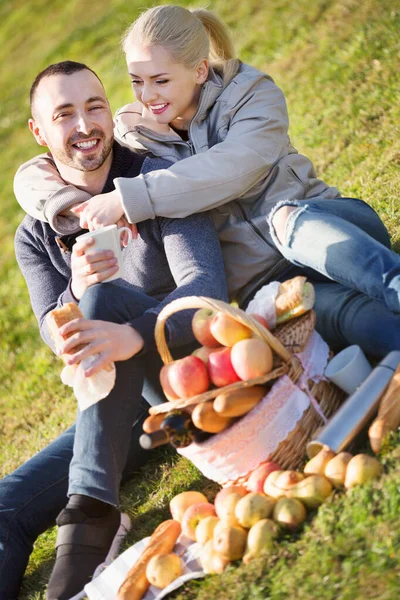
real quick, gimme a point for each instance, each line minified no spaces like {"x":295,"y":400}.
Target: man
{"x":170,"y":258}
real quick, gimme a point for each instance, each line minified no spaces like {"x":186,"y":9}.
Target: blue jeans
{"x":344,"y":249}
{"x":99,"y":450}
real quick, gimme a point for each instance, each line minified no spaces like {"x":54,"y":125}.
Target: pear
{"x":335,"y":469}
{"x":279,"y":482}
{"x":252,"y":508}
{"x":230,"y":541}
{"x":260,"y":539}
{"x":316,"y":466}
{"x":162,"y":569}
{"x":211,"y":561}
{"x":362,"y":468}
{"x":290,"y":513}
{"x":312,"y":491}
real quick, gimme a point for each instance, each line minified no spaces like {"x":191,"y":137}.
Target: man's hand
{"x":88,"y":269}
{"x":99,"y":211}
{"x":112,"y":341}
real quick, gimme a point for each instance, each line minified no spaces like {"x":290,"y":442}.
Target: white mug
{"x":109,"y":238}
{"x":348,"y":369}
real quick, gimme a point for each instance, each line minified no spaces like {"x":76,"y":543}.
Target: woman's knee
{"x":279,"y":221}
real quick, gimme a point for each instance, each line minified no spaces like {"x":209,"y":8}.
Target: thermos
{"x":357,"y":410}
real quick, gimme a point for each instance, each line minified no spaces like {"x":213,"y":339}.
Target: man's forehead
{"x":62,"y":90}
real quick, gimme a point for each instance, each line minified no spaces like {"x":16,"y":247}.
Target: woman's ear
{"x":36,"y":132}
{"x":202,"y":71}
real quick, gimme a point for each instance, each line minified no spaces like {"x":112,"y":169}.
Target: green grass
{"x":338,"y":63}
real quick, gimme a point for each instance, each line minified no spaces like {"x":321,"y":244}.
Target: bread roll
{"x":388,"y":418}
{"x":295,"y":297}
{"x":60,"y":316}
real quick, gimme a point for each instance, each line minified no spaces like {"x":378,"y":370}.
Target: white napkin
{"x":88,"y":390}
{"x":263,"y":303}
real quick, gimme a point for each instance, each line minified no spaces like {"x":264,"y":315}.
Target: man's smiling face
{"x":72,"y":117}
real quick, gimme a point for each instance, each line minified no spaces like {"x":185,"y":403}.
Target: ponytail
{"x":189,"y":35}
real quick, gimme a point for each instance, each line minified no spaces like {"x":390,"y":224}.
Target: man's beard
{"x":68,"y":156}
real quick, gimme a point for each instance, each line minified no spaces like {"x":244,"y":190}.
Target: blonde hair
{"x":189,"y":35}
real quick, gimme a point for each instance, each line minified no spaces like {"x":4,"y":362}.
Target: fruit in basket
{"x":188,"y":377}
{"x":205,"y":529}
{"x":260,"y":319}
{"x":238,"y":402}
{"x":335,"y":470}
{"x":153,"y":423}
{"x":251,"y":358}
{"x":204,"y":352}
{"x":289,"y":513}
{"x":230,"y":541}
{"x":278,"y":483}
{"x":316,"y":466}
{"x":312,"y":491}
{"x":260,"y":539}
{"x":212,"y":562}
{"x":182,"y":501}
{"x":206,"y":418}
{"x":201,"y":327}
{"x":221,"y":501}
{"x":227,"y":331}
{"x":193,"y":515}
{"x":220,"y":368}
{"x":252,"y":508}
{"x":165,"y":384}
{"x":256,"y":480}
{"x":162,"y":569}
{"x":361,"y":469}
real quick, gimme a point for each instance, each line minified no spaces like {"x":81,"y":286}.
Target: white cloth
{"x":106,"y":585}
{"x":263,"y":303}
{"x":88,"y":390}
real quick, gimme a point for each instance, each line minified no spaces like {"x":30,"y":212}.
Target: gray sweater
{"x":171,"y":258}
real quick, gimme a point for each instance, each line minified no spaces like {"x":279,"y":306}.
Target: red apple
{"x":227,"y":330}
{"x":188,"y":377}
{"x":260,"y":319}
{"x":193,"y":515}
{"x":220,"y":368}
{"x":256,"y":480}
{"x":201,"y":327}
{"x":165,"y":384}
{"x":204,"y":352}
{"x":221,"y":502}
{"x":251,"y":358}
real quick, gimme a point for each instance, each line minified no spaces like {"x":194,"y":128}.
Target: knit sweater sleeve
{"x":48,"y":288}
{"x":195,"y":260}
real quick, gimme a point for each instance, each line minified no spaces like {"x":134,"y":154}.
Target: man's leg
{"x":32,"y":496}
{"x":88,"y":523}
{"x":342,"y":239}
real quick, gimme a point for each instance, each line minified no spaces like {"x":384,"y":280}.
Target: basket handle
{"x":189,"y":302}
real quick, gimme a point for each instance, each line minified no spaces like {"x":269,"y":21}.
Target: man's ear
{"x":37,"y":133}
{"x":202,"y":71}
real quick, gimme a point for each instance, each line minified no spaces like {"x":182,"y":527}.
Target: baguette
{"x":295,"y":297}
{"x":388,"y":418}
{"x":163,"y":540}
{"x":238,"y":402}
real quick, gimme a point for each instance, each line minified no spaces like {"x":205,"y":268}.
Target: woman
{"x":224,"y":124}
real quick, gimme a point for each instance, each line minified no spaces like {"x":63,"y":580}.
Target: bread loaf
{"x":163,"y":540}
{"x":238,"y":402}
{"x":388,"y":418}
{"x":60,"y":316}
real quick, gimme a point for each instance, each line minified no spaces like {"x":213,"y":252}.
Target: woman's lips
{"x":158,"y":109}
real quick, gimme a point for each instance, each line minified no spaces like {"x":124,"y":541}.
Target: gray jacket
{"x":238,"y":161}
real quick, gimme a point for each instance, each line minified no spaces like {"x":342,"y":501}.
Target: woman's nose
{"x":148,"y":94}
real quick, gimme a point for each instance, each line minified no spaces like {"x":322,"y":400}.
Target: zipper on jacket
{"x":254,"y":227}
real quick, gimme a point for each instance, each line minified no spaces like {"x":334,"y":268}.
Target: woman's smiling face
{"x":169,"y":90}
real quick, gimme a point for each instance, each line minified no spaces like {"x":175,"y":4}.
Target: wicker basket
{"x":287,"y":339}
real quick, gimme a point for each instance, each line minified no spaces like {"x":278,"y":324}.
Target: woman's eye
{"x":135,"y":82}
{"x":161,"y":81}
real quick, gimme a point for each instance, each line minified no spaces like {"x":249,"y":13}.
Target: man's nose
{"x":83,"y":124}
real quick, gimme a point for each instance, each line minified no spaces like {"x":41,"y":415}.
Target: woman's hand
{"x":88,"y":269}
{"x":112,"y":341}
{"x":99,"y":211}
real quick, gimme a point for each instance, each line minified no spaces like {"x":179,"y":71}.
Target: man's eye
{"x":62,"y":115}
{"x":96,"y":107}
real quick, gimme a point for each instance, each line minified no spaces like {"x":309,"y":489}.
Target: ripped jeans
{"x":343,"y":248}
